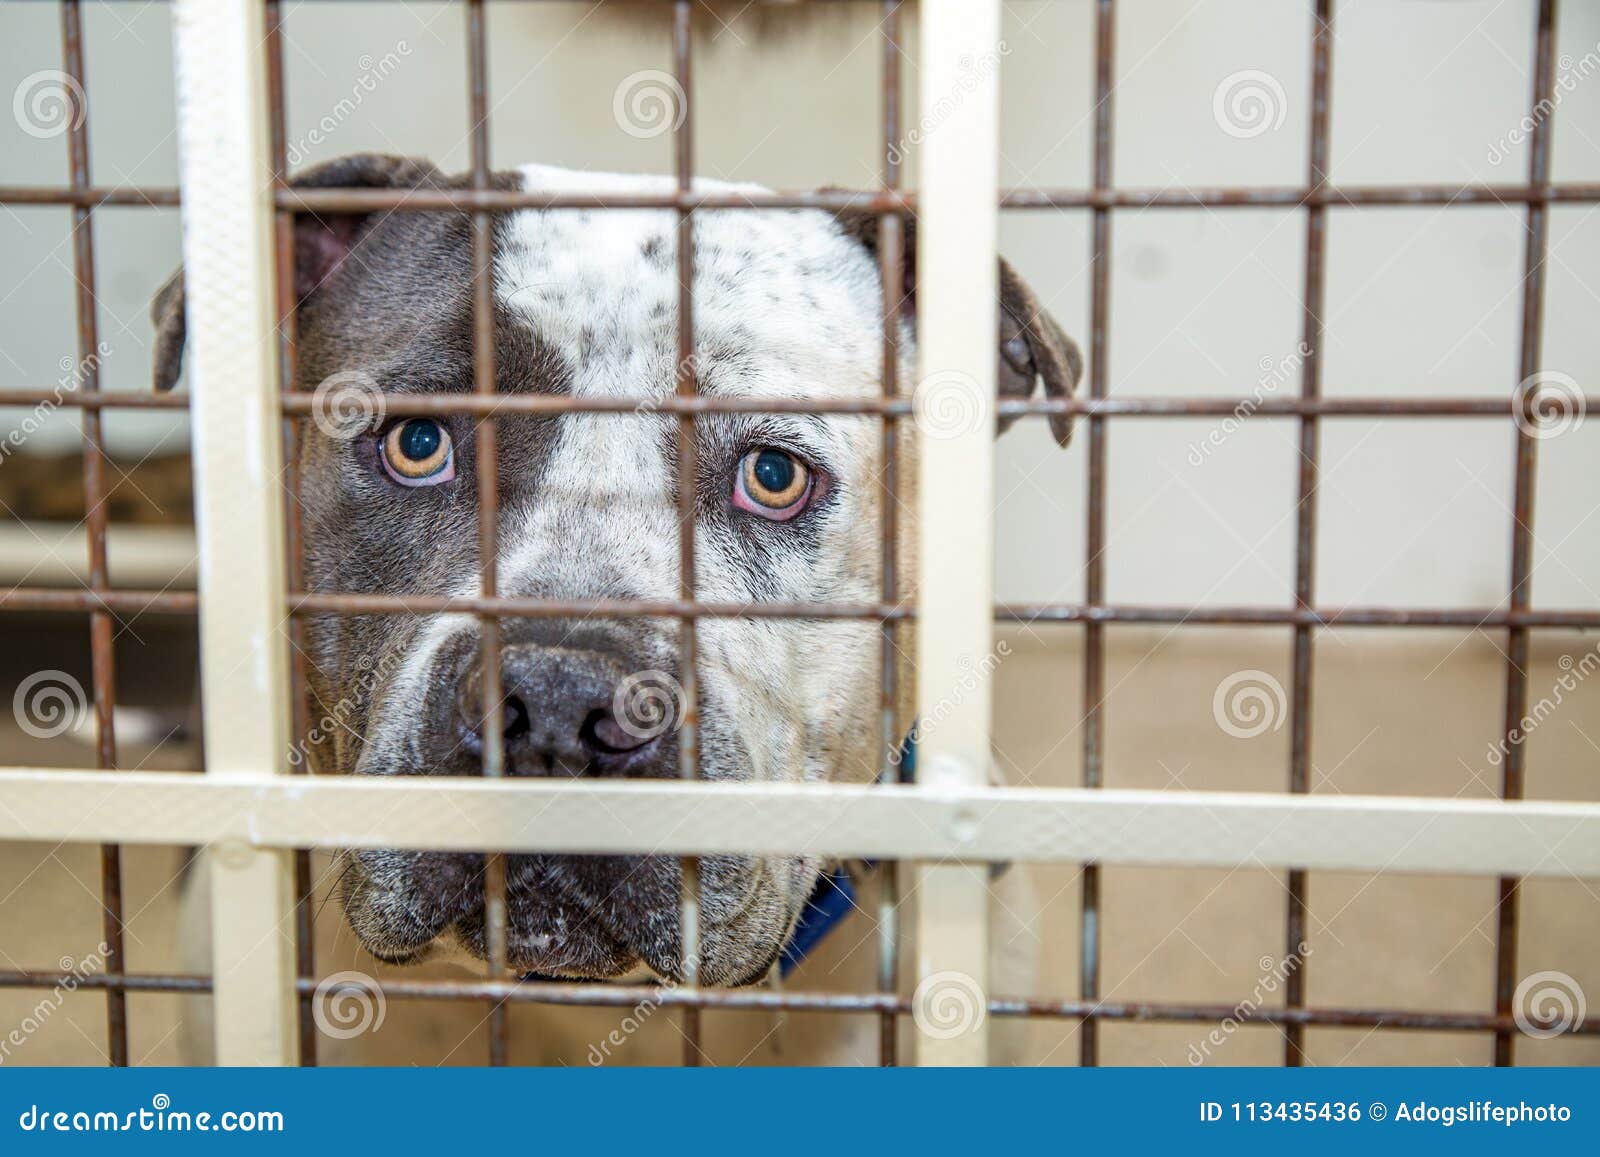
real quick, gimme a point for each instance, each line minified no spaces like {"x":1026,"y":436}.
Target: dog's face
{"x":786,"y":305}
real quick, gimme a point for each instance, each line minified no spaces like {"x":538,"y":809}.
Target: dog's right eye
{"x":773,"y":483}
{"x":418,"y":452}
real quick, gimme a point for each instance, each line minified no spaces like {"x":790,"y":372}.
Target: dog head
{"x":787,"y":304}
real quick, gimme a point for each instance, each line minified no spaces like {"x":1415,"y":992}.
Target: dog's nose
{"x":557,"y":713}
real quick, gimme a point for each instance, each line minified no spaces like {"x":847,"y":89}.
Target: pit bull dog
{"x":787,"y":304}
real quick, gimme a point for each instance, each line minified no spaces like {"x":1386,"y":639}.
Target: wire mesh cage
{"x":933,"y":836}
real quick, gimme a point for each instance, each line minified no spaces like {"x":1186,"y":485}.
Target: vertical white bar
{"x":228,"y":273}
{"x":956,"y":293}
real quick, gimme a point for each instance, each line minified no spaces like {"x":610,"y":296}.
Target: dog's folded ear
{"x":323,"y":243}
{"x":166,"y":311}
{"x":1033,"y":349}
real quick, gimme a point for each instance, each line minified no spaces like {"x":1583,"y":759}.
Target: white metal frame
{"x":957,"y":279}
{"x":251,"y":814}
{"x":239,"y":509}
{"x":927,"y":822}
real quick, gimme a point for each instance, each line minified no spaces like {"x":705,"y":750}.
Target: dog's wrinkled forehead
{"x":785,"y":303}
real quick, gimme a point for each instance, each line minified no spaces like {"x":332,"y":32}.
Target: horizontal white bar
{"x":1208,"y":829}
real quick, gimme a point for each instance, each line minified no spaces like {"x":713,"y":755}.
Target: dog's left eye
{"x":418,"y":452}
{"x":773,"y":483}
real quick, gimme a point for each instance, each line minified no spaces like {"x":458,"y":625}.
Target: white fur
{"x":800,"y":303}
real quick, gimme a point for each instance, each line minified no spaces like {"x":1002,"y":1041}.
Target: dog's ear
{"x":166,"y":311}
{"x":1033,"y":347}
{"x":323,"y":242}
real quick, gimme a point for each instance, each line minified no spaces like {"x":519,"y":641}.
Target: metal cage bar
{"x":624,"y":996}
{"x":687,"y":386}
{"x":1305,"y":554}
{"x":259,"y":828}
{"x":101,"y":640}
{"x":1530,"y":357}
{"x":959,"y":223}
{"x":1259,"y":197}
{"x":485,"y":387}
{"x":228,"y":272}
{"x":1094,"y":657}
{"x":288,"y":336}
{"x":1149,"y":406}
{"x":891,"y":274}
{"x":930,"y":820}
{"x":141,"y":602}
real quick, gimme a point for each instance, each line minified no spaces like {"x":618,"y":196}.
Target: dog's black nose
{"x":559,"y":713}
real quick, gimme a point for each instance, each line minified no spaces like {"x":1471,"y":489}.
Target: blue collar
{"x":831,"y":901}
{"x":834,"y":897}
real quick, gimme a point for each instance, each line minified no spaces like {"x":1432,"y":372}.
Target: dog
{"x":787,"y":304}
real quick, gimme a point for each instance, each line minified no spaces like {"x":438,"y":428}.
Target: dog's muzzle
{"x":564,"y":711}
